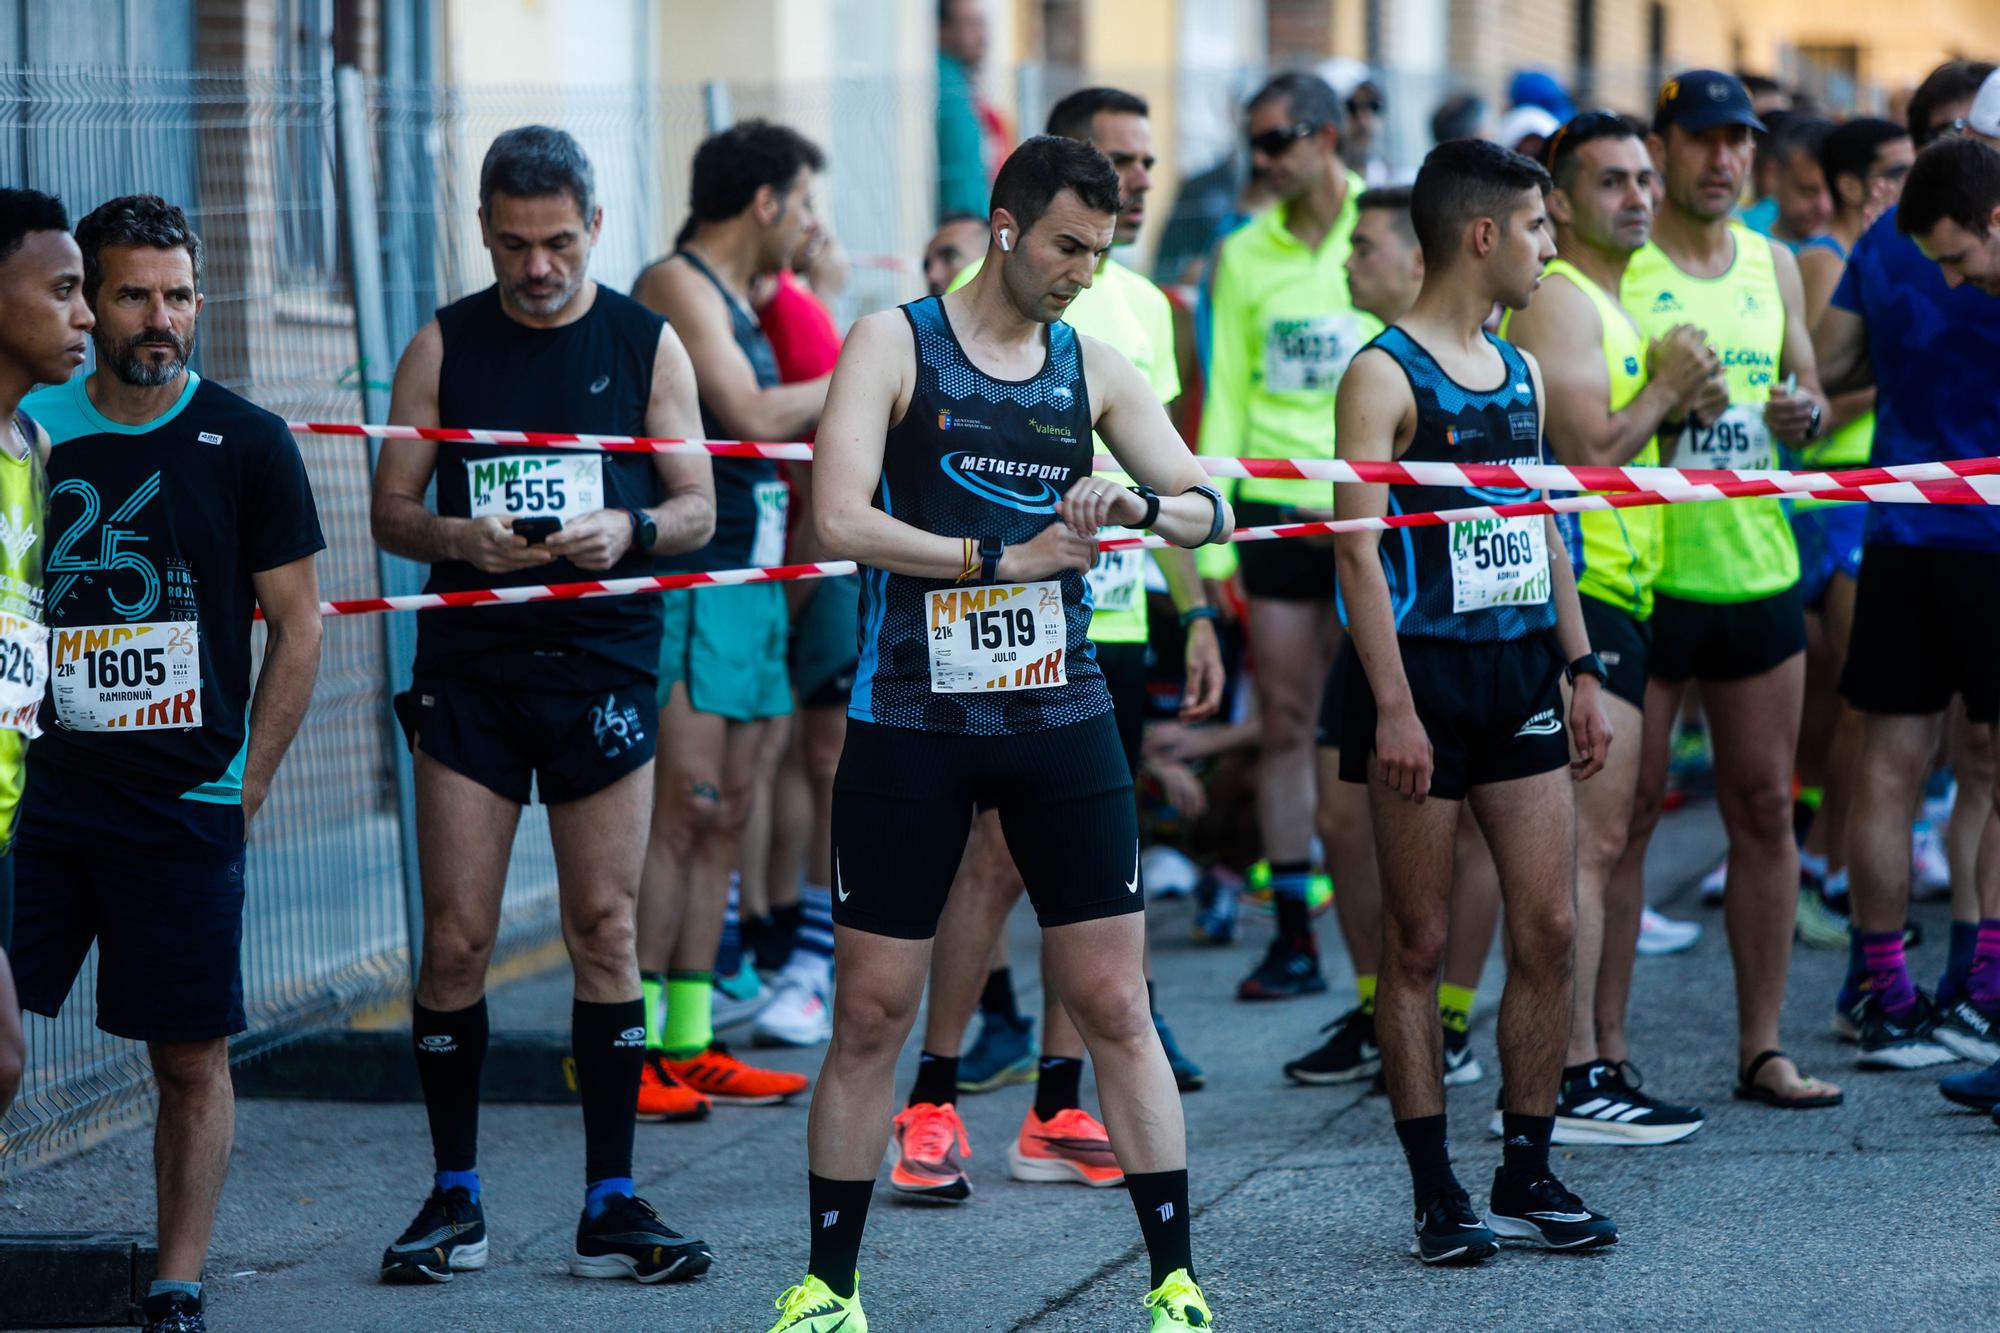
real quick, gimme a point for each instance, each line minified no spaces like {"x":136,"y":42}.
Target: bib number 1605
{"x":129,"y":668}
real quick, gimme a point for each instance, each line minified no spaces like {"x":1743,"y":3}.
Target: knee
{"x":601,"y":933}
{"x":455,"y":957}
{"x":1542,"y":937}
{"x":1111,"y":1009}
{"x":1762,"y":813}
{"x":823,"y":758}
{"x":1600,"y":848}
{"x":690,"y":811}
{"x":1414,"y":948}
{"x":189,"y":1068}
{"x":870,"y":1026}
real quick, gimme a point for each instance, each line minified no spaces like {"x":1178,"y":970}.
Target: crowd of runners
{"x":799,"y":809}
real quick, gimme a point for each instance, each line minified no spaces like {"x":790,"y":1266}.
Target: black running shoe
{"x":1188,"y":1075}
{"x":1543,"y":1213}
{"x":448,"y":1236}
{"x":628,"y":1239}
{"x":174,"y":1312}
{"x":1604,"y":1105}
{"x":1349,"y":1055}
{"x":1910,"y":1044}
{"x":1461,"y":1066}
{"x":1449,"y":1233}
{"x":1288,"y":970}
{"x":1970,"y":1031}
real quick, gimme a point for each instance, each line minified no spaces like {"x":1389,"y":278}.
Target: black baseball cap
{"x":1701,"y":99}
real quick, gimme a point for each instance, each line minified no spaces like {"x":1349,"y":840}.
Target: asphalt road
{"x":1879,"y":1214}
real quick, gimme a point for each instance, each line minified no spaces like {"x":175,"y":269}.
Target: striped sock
{"x":1888,"y":973}
{"x":812,"y":946}
{"x":1958,"y":963}
{"x":1455,"y":1006}
{"x":1982,"y":983}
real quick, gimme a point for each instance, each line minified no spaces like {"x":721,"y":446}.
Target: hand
{"x":1682,"y":359}
{"x":1169,"y":742}
{"x":1403,"y":749}
{"x":1709,"y":401}
{"x":596,"y":541}
{"x":491,"y":544}
{"x":1789,"y":415}
{"x":1094,"y":503}
{"x":255,"y":792}
{"x":1589,"y":728}
{"x":1052,"y":551}
{"x":1180,"y":786}
{"x":1202,"y":694}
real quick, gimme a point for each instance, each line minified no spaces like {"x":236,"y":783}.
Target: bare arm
{"x":1819,"y":273}
{"x":1135,"y":428}
{"x":1789,"y":415}
{"x":1840,"y":344}
{"x":700,"y":316}
{"x":289,"y":596}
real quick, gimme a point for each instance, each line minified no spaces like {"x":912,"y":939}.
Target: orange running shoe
{"x":722,"y":1077}
{"x":1072,"y":1146}
{"x":931,"y":1149}
{"x":664,"y":1097}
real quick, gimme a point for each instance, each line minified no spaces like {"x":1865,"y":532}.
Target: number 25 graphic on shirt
{"x":111,"y":558}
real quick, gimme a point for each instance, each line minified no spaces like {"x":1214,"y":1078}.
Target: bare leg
{"x":465,"y":834}
{"x":1475,"y":906}
{"x":687,"y":793}
{"x":975,"y":916}
{"x":754,"y":850}
{"x":1603,"y":819}
{"x":1414,"y":848}
{"x":599,"y":858}
{"x":874,"y":1007}
{"x":822,"y":733}
{"x":1625,"y":897}
{"x":746,"y":753}
{"x":1972,"y":765}
{"x":1060,"y":1037}
{"x":1895,"y":758}
{"x":1097,"y":972}
{"x":191,"y":1142}
{"x":1829,"y":831}
{"x":1289,"y":639}
{"x":1349,"y":840}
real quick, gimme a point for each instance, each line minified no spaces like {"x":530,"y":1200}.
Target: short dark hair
{"x":1802,"y":134}
{"x":731,"y":166}
{"x":1392,"y":199}
{"x":1457,"y":117}
{"x":141,"y":220}
{"x":1849,"y":150}
{"x":1559,"y":154}
{"x":1956,"y":178}
{"x":1073,"y":116}
{"x":956,"y":216}
{"x":1046,"y":165}
{"x":24,"y":212}
{"x":1310,"y":99}
{"x":1953,"y":81}
{"x":535,"y":161}
{"x":1461,"y":180}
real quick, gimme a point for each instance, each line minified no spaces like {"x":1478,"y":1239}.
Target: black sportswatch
{"x":645,"y":532}
{"x":1590,"y":664}
{"x":1152,"y":501}
{"x":990,"y":551}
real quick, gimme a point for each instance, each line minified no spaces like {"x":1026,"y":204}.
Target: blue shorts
{"x":1829,"y":538}
{"x":155,"y":880}
{"x":561,"y":745}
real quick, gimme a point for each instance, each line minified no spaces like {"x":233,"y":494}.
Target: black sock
{"x":1059,"y":1086}
{"x":1294,"y":920}
{"x":998,"y":997}
{"x":451,"y":1050}
{"x":1525,"y":1153}
{"x":1429,"y":1155}
{"x":937,"y":1080}
{"x":789,"y":917}
{"x":609,"y":1043}
{"x":1161,"y":1200}
{"x":839,"y":1211}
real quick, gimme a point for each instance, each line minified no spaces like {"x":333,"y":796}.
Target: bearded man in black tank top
{"x":555,"y":694}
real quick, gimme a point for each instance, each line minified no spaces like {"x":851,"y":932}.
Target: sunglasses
{"x":1273,"y":142}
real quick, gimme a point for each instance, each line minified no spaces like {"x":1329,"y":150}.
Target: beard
{"x":127,"y":364}
{"x":546,"y":300}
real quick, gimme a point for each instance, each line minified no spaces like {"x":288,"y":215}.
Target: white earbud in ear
{"x":1003,"y":240}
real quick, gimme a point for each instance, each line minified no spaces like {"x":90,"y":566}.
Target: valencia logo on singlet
{"x":1007,"y":481}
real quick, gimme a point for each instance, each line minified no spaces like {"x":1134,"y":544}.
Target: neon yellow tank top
{"x":1726,"y":550}
{"x":23,"y":500}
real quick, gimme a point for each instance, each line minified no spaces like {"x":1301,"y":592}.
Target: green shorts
{"x":728,"y":644}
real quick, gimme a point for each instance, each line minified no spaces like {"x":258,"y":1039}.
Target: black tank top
{"x":750,"y":500}
{"x":593,"y":376}
{"x":977,"y":457}
{"x":1479,"y":582}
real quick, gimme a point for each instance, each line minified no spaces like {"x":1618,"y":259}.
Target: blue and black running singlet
{"x":976,"y":456}
{"x":1486,"y":581}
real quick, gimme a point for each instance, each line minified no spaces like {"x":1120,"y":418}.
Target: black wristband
{"x":1152,"y":499}
{"x":990,"y":550}
{"x":1194,"y":613}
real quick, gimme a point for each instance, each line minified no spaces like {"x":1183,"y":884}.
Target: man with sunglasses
{"x":1285,"y":328}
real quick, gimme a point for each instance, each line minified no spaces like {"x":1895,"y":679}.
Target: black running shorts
{"x":902,"y":807}
{"x":1925,"y":629}
{"x":1494,"y":712}
{"x":1625,"y":644}
{"x":1292,"y":570}
{"x":570,"y":743}
{"x":1724,"y":641}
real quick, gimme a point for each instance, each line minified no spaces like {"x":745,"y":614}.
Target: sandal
{"x":1748,"y":1089}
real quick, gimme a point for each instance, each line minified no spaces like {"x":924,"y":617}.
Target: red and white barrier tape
{"x":1976,"y":480}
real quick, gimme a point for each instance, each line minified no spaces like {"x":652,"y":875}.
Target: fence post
{"x":371,"y":328}
{"x":715,"y":102}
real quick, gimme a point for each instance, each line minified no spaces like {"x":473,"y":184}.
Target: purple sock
{"x":1888,"y":974}
{"x":1982,"y":984}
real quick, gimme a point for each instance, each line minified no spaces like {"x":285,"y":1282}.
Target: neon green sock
{"x":653,"y":989}
{"x":1364,"y":986}
{"x":1455,"y":1006}
{"x":688,"y":1029}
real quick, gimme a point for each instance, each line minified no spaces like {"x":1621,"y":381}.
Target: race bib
{"x":143,"y":677}
{"x":1311,"y":354}
{"x":545,"y":485}
{"x":24,"y":673}
{"x":1499,"y":562}
{"x":773,"y":498}
{"x":1737,"y":439}
{"x":1007,"y":637}
{"x":1118,"y":579}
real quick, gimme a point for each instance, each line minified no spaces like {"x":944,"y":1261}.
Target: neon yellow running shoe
{"x":811,"y":1307}
{"x":1177,"y":1303}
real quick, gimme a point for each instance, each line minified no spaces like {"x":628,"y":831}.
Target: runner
{"x":1462,"y":636}
{"x":1727,"y":610}
{"x":553,"y":698}
{"x":723,"y":686}
{"x":181,"y":510}
{"x":1608,"y":392}
{"x":1058,"y":1140}
{"x":960,"y":239}
{"x":1284,"y":330}
{"x":44,"y":326}
{"x":955,"y":455}
{"x":1800,"y":205}
{"x":1929,"y":342}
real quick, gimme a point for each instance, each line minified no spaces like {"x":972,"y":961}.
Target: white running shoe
{"x":799,"y":1013}
{"x":1713,"y":883}
{"x":1662,"y":934}
{"x":1168,"y":871}
{"x":1930,"y":867}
